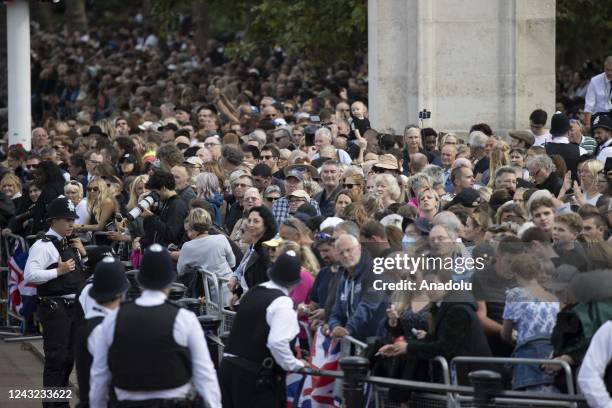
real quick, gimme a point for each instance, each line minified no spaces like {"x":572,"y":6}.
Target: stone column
{"x":473,"y":61}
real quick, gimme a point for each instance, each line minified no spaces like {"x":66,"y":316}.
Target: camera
{"x":142,"y":205}
{"x":425,"y":114}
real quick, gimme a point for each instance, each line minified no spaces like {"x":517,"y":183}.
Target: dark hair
{"x":171,"y":154}
{"x":246,"y":148}
{"x":78,"y":160}
{"x":539,"y":117}
{"x":271,"y":148}
{"x":482,"y":127}
{"x":269,"y":223}
{"x":49,"y":172}
{"x":428,"y":132}
{"x":373,"y":228}
{"x":160,"y":179}
{"x":535,"y":234}
{"x":232,"y":155}
{"x":510,"y":245}
{"x":126,"y":144}
{"x":261,"y":169}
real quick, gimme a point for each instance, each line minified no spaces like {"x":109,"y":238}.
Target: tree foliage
{"x":322,"y":30}
{"x":584,"y":31}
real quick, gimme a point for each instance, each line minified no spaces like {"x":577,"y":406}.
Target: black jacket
{"x":166,"y":225}
{"x":50,"y":192}
{"x":456,"y":331}
{"x":7,"y":209}
{"x":553,"y":184}
{"x":256,"y":270}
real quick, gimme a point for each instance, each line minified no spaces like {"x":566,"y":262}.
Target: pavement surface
{"x":21,"y":367}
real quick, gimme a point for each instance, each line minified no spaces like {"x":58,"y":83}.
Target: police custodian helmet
{"x":61,"y":207}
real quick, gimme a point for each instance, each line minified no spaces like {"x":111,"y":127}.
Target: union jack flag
{"x":21,"y":293}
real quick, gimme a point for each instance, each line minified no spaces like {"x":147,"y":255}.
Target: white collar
{"x":560,"y":139}
{"x":151,"y":298}
{"x":98,"y":310}
{"x":53,"y":233}
{"x":272,"y":285}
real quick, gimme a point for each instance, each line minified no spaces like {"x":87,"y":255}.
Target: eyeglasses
{"x":72,"y":183}
{"x":272,"y":199}
{"x":93,"y":189}
{"x":211,"y":144}
{"x":349,"y":186}
{"x":241,"y":185}
{"x":31,"y":166}
{"x":250,"y":198}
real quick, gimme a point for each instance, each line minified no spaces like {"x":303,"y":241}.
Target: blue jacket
{"x":361,"y":316}
{"x":216,"y":201}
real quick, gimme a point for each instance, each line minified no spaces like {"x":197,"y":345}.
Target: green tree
{"x":584,"y":30}
{"x":323,"y":30}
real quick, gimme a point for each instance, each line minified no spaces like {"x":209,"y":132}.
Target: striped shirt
{"x":589,"y":144}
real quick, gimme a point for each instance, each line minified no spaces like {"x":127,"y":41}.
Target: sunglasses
{"x":31,"y":166}
{"x":241,"y":185}
{"x":349,"y":186}
{"x":324,"y":237}
{"x":94,"y":189}
{"x":271,"y":199}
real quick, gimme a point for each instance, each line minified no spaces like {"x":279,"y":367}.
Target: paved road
{"x":19,"y":368}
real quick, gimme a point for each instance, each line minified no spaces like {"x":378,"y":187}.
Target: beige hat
{"x":387,"y":161}
{"x":300,"y":194}
{"x":194,"y":161}
{"x":523,"y":135}
{"x":183,"y":140}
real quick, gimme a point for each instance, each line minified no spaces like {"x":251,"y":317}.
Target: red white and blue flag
{"x":318,"y":392}
{"x":21,"y":293}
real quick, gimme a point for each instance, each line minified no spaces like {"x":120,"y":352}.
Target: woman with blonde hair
{"x":211,"y":253}
{"x":429,"y":203}
{"x":101,"y":206}
{"x":388,"y":189}
{"x":588,"y":190}
{"x":10,"y":185}
{"x":137,"y":188}
{"x":73,"y":190}
{"x":500,"y":157}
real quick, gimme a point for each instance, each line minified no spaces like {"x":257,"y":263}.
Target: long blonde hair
{"x":95,"y":206}
{"x":309,"y":260}
{"x":500,"y":157}
{"x":143,"y":178}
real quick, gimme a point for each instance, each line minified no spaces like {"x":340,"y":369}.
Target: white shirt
{"x":590,"y":377}
{"x":605,"y":152}
{"x":82,"y":213}
{"x":187,"y":332}
{"x":42,"y":254}
{"x":598,"y":95}
{"x":565,"y":140}
{"x":542,"y":139}
{"x":283,"y":322}
{"x":341,"y":155}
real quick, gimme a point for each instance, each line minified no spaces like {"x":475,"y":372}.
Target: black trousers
{"x":58,"y":342}
{"x":239,"y":389}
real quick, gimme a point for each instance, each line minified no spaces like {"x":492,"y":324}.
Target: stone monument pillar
{"x":473,"y":61}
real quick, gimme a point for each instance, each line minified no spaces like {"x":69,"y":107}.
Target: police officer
{"x":98,"y":299}
{"x":55,"y":265}
{"x":258,"y":352}
{"x":152,"y":350}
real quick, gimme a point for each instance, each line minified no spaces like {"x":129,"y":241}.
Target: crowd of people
{"x":276,"y":182}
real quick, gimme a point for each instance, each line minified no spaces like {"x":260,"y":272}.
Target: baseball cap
{"x":300,"y":194}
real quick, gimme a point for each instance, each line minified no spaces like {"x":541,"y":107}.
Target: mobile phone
{"x":315,"y":119}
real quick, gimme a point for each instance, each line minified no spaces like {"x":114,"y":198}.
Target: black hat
{"x":602,"y":121}
{"x":95,"y":253}
{"x":128,"y":157}
{"x":61,"y":207}
{"x":156,"y":269}
{"x":109,"y":280}
{"x":95,"y":130}
{"x":468,"y":197}
{"x":168,"y":126}
{"x":559,"y":124}
{"x":286,"y":270}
